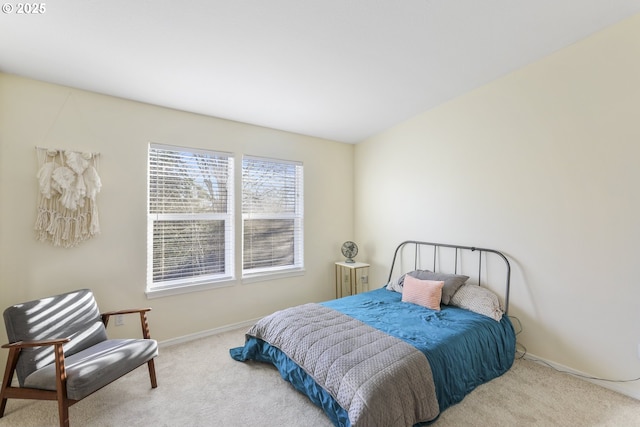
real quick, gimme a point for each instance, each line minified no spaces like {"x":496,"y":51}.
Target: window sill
{"x":261,"y":277}
{"x":183,"y":289}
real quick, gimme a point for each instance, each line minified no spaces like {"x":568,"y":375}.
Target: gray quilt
{"x":378,"y":379}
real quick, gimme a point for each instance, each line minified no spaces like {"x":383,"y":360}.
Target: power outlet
{"x":119,"y":320}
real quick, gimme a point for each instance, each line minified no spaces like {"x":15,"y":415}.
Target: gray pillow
{"x":451,"y":281}
{"x":396,"y":285}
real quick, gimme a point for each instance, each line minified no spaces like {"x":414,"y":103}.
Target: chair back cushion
{"x":73,"y":315}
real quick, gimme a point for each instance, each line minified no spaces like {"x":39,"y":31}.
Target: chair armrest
{"x":40,"y":343}
{"x":128,"y":311}
{"x":143,"y":318}
{"x":15,"y":348}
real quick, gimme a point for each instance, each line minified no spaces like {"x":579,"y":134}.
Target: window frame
{"x":193,"y":283}
{"x":297,"y":267}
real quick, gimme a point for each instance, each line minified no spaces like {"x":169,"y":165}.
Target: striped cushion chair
{"x":59,"y":350}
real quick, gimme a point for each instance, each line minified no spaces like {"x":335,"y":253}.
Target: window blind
{"x":272,"y":215}
{"x":190,"y":216}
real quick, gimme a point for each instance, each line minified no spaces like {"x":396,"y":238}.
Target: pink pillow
{"x":426,"y":293}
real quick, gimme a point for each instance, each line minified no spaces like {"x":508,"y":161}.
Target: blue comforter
{"x":464,"y":349}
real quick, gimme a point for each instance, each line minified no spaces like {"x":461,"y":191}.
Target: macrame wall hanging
{"x":68,"y":186}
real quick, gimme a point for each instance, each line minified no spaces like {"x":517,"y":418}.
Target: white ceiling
{"x":337,"y":69}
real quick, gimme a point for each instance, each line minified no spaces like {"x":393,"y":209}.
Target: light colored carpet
{"x":200,"y":385}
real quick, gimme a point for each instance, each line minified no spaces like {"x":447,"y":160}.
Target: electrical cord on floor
{"x":520,"y":348}
{"x":519,"y":324}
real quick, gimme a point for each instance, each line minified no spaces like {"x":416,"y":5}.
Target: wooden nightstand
{"x":351,"y":278}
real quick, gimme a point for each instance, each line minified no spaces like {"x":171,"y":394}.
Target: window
{"x":190,"y":217}
{"x":272,"y":216}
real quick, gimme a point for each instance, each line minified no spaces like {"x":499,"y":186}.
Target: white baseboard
{"x":207,"y":333}
{"x":615,"y":386}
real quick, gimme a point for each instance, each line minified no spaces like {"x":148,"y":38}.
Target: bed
{"x":401,"y":354}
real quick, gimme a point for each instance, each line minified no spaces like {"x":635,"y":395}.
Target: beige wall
{"x":543,"y":164}
{"x":113,"y":264}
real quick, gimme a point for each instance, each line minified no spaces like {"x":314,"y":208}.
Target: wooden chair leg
{"x":63,"y":412}
{"x":147,"y":335}
{"x":152,"y":373}
{"x":12,"y":362}
{"x":61,"y":387}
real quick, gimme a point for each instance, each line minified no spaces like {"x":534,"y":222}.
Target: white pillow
{"x":394,"y":286}
{"x":479,"y":300}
